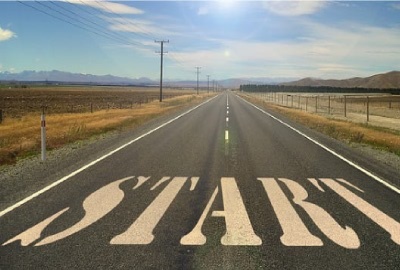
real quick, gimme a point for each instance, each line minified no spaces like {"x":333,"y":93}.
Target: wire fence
{"x":17,"y":107}
{"x":382,"y":110}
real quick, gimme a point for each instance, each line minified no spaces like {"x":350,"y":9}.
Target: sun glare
{"x":226,"y":3}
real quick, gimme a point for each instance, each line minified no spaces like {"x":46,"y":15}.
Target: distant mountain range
{"x":390,"y":80}
{"x":387,"y":80}
{"x":67,"y":77}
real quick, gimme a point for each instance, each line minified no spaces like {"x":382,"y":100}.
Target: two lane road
{"x":223,"y":186}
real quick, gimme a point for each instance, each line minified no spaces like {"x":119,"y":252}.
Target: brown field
{"x":18,"y":102}
{"x":115,"y":109}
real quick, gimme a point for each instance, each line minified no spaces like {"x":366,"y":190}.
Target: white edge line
{"x":395,"y":189}
{"x":36,"y":194}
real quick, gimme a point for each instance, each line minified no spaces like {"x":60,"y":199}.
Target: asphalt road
{"x":224,"y":186}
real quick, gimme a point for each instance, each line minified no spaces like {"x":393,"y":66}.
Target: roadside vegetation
{"x":20,"y":137}
{"x":350,"y":132}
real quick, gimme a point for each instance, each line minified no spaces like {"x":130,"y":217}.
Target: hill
{"x":390,"y":80}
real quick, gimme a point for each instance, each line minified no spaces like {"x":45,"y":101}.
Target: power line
{"x":96,"y":25}
{"x":179,"y":62}
{"x":77,"y":20}
{"x":145,"y":34}
{"x":104,"y":35}
{"x":91,"y":28}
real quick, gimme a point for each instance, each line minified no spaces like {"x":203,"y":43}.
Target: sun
{"x":226,"y":3}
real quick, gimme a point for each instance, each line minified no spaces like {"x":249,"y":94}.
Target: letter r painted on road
{"x":295,"y":232}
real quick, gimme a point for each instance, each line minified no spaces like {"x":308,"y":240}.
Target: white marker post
{"x":43,"y":134}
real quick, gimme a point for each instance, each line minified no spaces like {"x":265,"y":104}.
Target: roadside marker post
{"x":43,"y":134}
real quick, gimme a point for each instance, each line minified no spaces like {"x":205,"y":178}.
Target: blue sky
{"x":324,"y":39}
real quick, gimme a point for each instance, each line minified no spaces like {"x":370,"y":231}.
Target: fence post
{"x":329,"y":104}
{"x":1,"y":116}
{"x":316,"y":104}
{"x":91,"y":107}
{"x":306,"y":104}
{"x":345,"y":106}
{"x":43,"y":134}
{"x":367,"y":108}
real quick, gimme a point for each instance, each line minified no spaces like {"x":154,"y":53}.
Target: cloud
{"x":294,"y":8}
{"x":6,"y":34}
{"x":202,"y":11}
{"x":110,"y":7}
{"x":396,"y":6}
{"x":326,"y":52}
{"x":144,"y":28}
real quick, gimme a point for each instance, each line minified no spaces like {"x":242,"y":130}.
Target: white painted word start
{"x":239,"y":230}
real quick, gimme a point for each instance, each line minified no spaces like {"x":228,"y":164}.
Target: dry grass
{"x":346,"y":131}
{"x":21,"y":137}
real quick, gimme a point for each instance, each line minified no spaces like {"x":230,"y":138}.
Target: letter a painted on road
{"x":239,"y":231}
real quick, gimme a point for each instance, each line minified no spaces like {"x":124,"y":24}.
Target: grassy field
{"x":20,"y":132}
{"x":382,"y":138}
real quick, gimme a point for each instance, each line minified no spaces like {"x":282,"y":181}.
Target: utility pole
{"x":161,"y":68}
{"x":213,"y":85}
{"x":198,"y":71}
{"x":208,"y":84}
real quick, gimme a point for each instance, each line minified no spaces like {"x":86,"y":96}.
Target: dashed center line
{"x":227,"y":121}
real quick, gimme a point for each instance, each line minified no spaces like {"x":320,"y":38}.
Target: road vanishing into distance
{"x":223,"y":186}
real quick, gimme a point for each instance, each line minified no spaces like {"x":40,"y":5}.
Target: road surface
{"x":224,"y":186}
